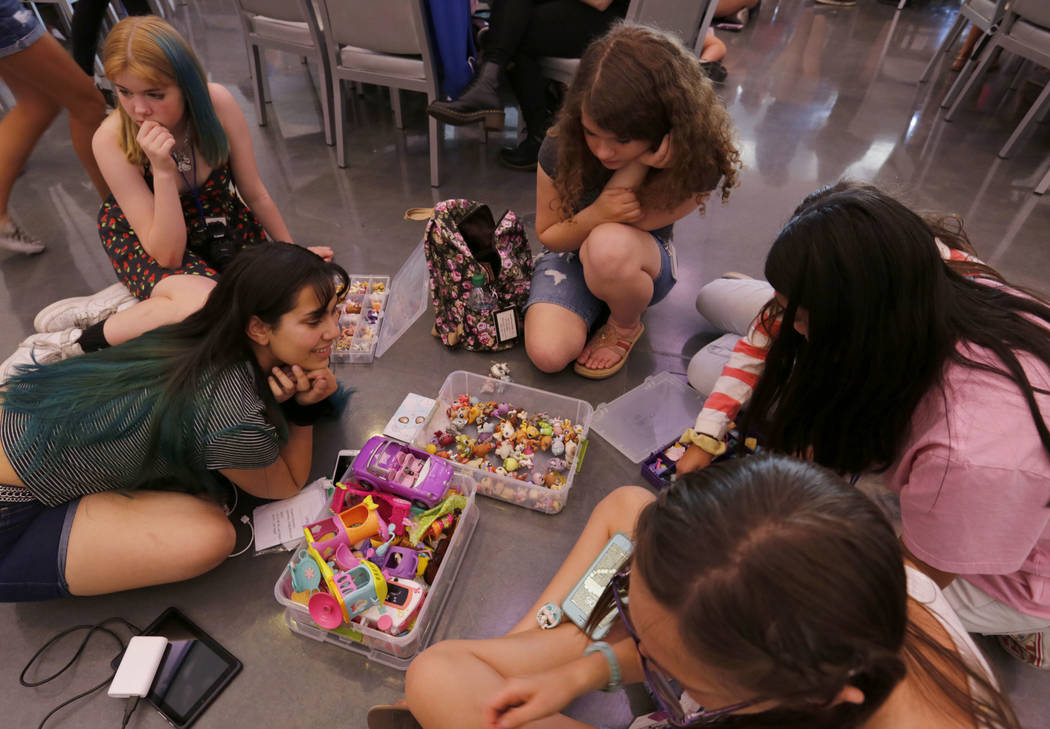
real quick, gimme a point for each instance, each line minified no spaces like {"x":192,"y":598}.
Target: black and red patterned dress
{"x":140,"y":271}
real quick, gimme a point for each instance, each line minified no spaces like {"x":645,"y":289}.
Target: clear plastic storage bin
{"x":390,"y":650}
{"x":650,"y":416}
{"x":361,"y":319}
{"x":508,"y":488}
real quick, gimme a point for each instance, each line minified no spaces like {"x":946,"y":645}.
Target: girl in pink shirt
{"x":888,"y":348}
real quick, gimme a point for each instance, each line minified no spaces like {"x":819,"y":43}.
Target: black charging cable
{"x":91,"y":630}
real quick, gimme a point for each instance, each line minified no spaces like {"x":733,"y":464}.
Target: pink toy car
{"x":387,"y":465}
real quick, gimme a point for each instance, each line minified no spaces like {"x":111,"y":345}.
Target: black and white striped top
{"x":230,"y":431}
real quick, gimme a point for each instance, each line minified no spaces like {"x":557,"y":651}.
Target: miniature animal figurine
{"x":558,"y":464}
{"x":558,"y":447}
{"x":500,"y":371}
{"x":570,"y":450}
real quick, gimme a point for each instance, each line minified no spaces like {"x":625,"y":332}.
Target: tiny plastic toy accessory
{"x":549,"y":616}
{"x":306,"y":575}
{"x":615,"y":675}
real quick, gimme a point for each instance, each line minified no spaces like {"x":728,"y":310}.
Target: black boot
{"x":480,"y":101}
{"x":524,"y":156}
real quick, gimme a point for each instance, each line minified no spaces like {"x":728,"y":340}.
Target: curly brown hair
{"x":641,"y":83}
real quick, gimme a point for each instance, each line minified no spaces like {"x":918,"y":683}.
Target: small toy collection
{"x":360,"y":319}
{"x":659,"y":467}
{"x":536,"y":448}
{"x":372,"y":561}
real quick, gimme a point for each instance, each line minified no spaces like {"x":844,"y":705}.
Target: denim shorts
{"x":559,"y":280}
{"x":33,"y":542}
{"x":19,"y":27}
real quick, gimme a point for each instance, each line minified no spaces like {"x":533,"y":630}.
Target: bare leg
{"x":713,"y":49}
{"x":120,"y":542}
{"x":619,"y":265}
{"x":46,"y":67}
{"x":967,"y":48}
{"x":173,"y":299}
{"x":19,"y":131}
{"x":554,"y":336}
{"x":464,"y":673}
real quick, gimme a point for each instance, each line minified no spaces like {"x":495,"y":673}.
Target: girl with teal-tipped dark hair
{"x":186,"y":196}
{"x":108,"y":460}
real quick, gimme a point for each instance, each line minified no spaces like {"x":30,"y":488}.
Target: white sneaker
{"x":15,"y":239}
{"x":82,"y":311}
{"x":43,"y":349}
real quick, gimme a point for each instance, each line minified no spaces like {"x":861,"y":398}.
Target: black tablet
{"x":195,"y":669}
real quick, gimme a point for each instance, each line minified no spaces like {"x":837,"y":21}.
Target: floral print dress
{"x":140,"y":271}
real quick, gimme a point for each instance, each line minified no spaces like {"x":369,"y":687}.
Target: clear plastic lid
{"x":648,"y":417}
{"x":408,"y":299}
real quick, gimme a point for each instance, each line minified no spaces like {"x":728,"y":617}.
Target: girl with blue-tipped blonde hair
{"x":186,"y":196}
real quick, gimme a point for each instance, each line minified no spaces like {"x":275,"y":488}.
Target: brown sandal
{"x":607,"y":338}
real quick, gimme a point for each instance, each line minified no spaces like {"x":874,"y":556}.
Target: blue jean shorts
{"x":19,"y":27}
{"x":558,"y":279}
{"x":33,"y":542}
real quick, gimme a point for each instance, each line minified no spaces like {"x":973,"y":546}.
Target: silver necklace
{"x":183,"y":157}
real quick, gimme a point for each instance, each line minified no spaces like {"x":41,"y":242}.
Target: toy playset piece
{"x":361,"y":319}
{"x":350,"y":593}
{"x":393,"y":510}
{"x":345,"y":529}
{"x":396,"y":613}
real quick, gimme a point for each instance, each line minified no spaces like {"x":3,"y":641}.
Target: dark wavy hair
{"x":792,"y":584}
{"x":641,"y":84}
{"x":165,"y":377}
{"x":886,"y":315}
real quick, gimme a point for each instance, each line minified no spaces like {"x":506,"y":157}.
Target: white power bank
{"x":138,"y":666}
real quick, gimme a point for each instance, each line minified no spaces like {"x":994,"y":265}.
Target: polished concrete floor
{"x":816,"y":92}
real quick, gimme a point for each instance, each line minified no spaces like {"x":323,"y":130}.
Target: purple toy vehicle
{"x":387,"y":465}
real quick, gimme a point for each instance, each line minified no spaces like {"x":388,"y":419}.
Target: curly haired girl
{"x":641,"y":142}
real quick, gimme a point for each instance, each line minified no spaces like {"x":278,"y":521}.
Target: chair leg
{"x":946,"y":44}
{"x":434,"y":134}
{"x":255,"y":59}
{"x":326,"y":100}
{"x":974,"y":77}
{"x":1036,"y":110}
{"x":1022,"y":69}
{"x":1043,"y":185}
{"x":339,"y":117}
{"x":395,"y":106}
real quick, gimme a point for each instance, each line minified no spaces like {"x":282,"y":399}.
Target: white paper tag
{"x":506,"y":325}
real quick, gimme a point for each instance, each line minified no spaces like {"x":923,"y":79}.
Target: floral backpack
{"x":466,"y":248}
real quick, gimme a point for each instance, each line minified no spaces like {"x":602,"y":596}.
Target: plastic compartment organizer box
{"x":508,"y":488}
{"x":361,"y":319}
{"x":394,"y":651}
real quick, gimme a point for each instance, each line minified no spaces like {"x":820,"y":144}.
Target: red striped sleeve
{"x":748,"y":378}
{"x":722,"y":403}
